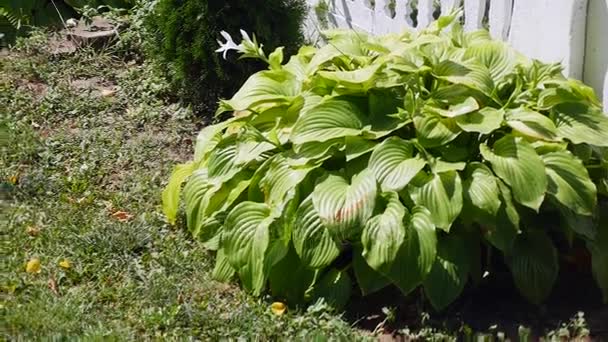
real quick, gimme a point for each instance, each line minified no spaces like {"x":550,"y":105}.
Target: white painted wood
{"x":551,"y":31}
{"x":473,"y":14}
{"x":448,"y":5}
{"x":500,"y":18}
{"x":425,"y":13}
{"x":563,"y":31}
{"x":596,"y":50}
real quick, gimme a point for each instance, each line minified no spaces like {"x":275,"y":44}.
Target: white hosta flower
{"x":229,"y":45}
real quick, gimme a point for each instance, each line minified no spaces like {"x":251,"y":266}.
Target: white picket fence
{"x":573,"y":32}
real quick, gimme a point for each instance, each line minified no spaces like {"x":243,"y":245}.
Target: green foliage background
{"x":184,"y":34}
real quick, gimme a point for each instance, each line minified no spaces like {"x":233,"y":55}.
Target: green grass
{"x":70,"y":158}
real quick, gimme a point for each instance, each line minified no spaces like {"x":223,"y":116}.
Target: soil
{"x":494,"y":303}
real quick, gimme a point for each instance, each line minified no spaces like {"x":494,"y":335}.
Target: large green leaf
{"x":368,"y":279}
{"x":450,"y":271}
{"x":580,"y":124}
{"x":433,"y":130}
{"x":334,"y":287}
{"x":516,"y":162}
{"x":417,"y":253}
{"x":383,"y":234}
{"x":441,"y":193}
{"x":498,"y":57}
{"x":171,"y":193}
{"x":502,"y":231}
{"x":393,"y":163}
{"x":481,"y":189}
{"x":569,"y":182}
{"x":599,"y":253}
{"x":246,"y":240}
{"x":484,"y":121}
{"x":222,"y":270}
{"x":313,"y":242}
{"x":331,"y":118}
{"x":533,"y":263}
{"x":473,"y":75}
{"x":262,"y":90}
{"x":290,"y":278}
{"x":281,"y":180}
{"x":343,"y":207}
{"x":532,"y":124}
{"x":455,"y":110}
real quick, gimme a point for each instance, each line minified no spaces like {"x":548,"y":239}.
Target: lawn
{"x":89,"y":140}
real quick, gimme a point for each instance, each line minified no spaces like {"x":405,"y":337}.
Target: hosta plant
{"x":399,"y":159}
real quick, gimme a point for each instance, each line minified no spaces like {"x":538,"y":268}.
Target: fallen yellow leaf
{"x":65,"y":264}
{"x":32,"y":230}
{"x":278,"y":308}
{"x":13,"y":179}
{"x":122,"y":216}
{"x":33,"y":266}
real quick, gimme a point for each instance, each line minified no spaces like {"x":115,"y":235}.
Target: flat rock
{"x":99,"y":33}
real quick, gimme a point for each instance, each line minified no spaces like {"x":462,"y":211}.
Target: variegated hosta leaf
{"x":516,"y":163}
{"x":441,"y":193}
{"x":313,"y":242}
{"x":416,"y":256}
{"x":450,"y":271}
{"x":484,"y":121}
{"x":569,"y":182}
{"x":344,"y":208}
{"x":383,"y":234}
{"x":263,"y":89}
{"x":171,"y":193}
{"x":393,"y":163}
{"x":533,"y":263}
{"x":331,"y":118}
{"x":481,"y":189}
{"x":532,"y":124}
{"x":433,"y":130}
{"x":581,"y":124}
{"x":246,"y":240}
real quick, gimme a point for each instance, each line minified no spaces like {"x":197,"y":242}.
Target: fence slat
{"x":425,"y":13}
{"x":473,"y":14}
{"x":551,"y":31}
{"x":500,"y":18}
{"x":448,"y":5}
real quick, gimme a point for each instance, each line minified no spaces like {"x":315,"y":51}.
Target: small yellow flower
{"x":65,"y":264}
{"x":33,"y":266}
{"x":278,"y":308}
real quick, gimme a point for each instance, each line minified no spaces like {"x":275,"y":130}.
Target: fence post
{"x":596,"y":49}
